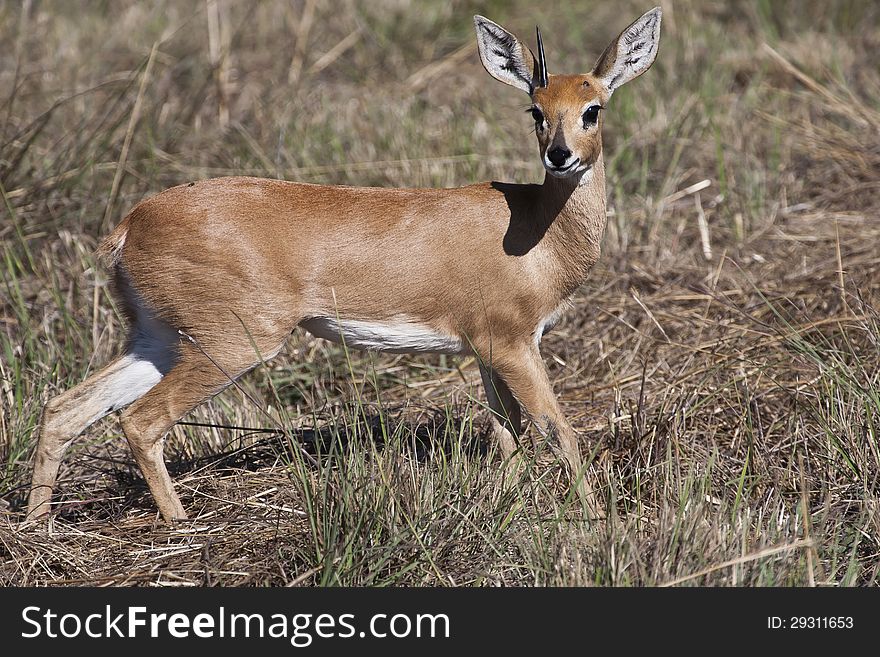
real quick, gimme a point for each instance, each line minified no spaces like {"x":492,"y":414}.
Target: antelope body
{"x":213,"y":276}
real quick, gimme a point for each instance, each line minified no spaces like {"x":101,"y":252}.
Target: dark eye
{"x":591,"y":116}
{"x":538,"y":116}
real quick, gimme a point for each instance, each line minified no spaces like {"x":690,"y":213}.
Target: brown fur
{"x":225,"y":265}
{"x":226,"y":257}
{"x":561,"y":102}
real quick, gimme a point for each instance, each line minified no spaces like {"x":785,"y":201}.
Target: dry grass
{"x":722,"y":362}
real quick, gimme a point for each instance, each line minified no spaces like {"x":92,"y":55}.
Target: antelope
{"x":213,"y":276}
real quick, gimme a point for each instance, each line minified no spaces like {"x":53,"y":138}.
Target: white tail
{"x":234,"y":263}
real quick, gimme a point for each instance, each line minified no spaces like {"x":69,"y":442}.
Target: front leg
{"x":505,"y":411}
{"x":526,"y":377}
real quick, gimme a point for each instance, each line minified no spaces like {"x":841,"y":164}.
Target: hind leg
{"x":68,"y":415}
{"x":193,"y":380}
{"x":151,"y":351}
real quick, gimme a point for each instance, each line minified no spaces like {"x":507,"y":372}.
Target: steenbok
{"x":213,"y":276}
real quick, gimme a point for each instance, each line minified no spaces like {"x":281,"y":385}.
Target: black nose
{"x":558,"y":156}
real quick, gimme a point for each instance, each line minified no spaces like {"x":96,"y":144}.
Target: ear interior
{"x":504,"y":56}
{"x":632,"y":53}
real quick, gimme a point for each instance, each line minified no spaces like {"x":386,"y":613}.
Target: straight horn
{"x":542,"y":62}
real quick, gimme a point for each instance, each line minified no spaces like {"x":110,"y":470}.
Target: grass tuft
{"x":721,"y":363}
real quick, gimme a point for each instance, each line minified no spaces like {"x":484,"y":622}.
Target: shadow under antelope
{"x":213,"y":276}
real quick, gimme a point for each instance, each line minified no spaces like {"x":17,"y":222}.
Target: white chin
{"x":576,"y":170}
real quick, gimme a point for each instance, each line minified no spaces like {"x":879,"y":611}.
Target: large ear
{"x":632,"y":53}
{"x":505,"y":56}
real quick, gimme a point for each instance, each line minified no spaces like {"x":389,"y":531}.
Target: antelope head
{"x":567,"y":109}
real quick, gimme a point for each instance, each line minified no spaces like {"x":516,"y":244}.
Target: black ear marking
{"x":503,"y":56}
{"x":632,"y":53}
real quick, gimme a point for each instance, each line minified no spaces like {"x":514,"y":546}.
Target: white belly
{"x":399,"y":335}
